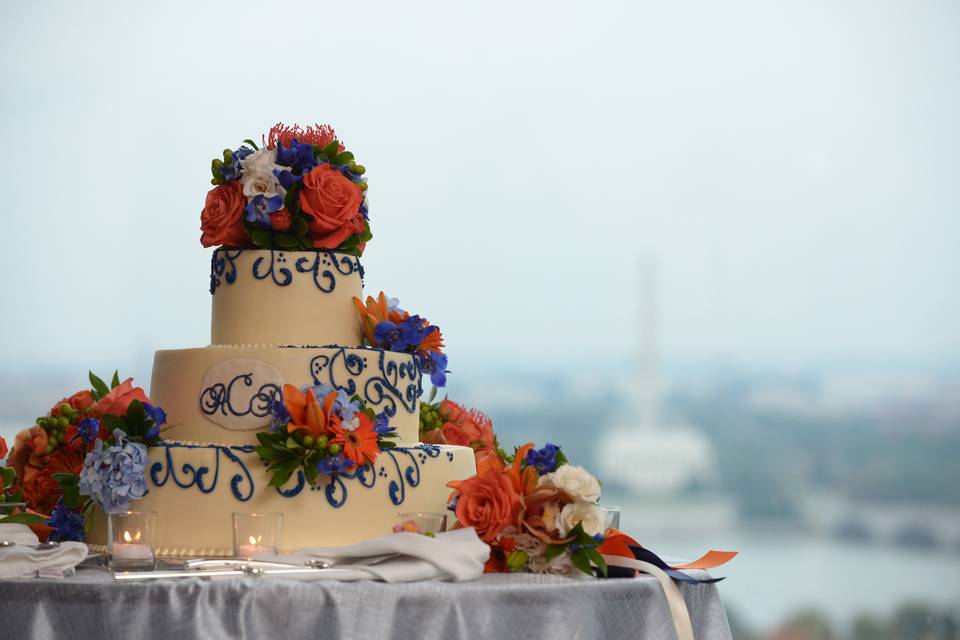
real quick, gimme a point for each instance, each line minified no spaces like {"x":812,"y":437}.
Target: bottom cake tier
{"x":195,"y":489}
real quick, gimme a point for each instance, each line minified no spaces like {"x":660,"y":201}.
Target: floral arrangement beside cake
{"x":89,"y":450}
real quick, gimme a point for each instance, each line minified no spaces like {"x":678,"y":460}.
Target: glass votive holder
{"x":130,"y":540}
{"x":257,"y":535}
{"x":612,"y":515}
{"x":422,"y":522}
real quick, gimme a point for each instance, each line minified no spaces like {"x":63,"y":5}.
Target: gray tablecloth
{"x":91,"y":605}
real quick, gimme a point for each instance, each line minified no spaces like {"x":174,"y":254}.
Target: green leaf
{"x":581,"y":561}
{"x":597,"y":558}
{"x":553,"y":550}
{"x":332,"y":149}
{"x":561,"y":459}
{"x":300,"y":227}
{"x":292,"y":199}
{"x":267,"y":452}
{"x":311,"y":472}
{"x":116,"y":380}
{"x":99,"y":386}
{"x":292,"y":444}
{"x":286,"y":241}
{"x":343,"y":158}
{"x":68,"y":483}
{"x":23,"y":518}
{"x":136,"y":418}
{"x":261,"y":238}
{"x":112,"y":422}
{"x":7,"y":475}
{"x":252,"y":144}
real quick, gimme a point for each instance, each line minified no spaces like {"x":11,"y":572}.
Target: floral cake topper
{"x":300,"y":189}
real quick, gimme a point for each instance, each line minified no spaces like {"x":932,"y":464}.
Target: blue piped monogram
{"x":323,"y":265}
{"x":218,"y":398}
{"x":241,"y":483}
{"x":393,"y":383}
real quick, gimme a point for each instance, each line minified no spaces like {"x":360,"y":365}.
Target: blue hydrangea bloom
{"x":334,"y":464}
{"x":113,"y":475}
{"x":88,"y":429}
{"x":545,"y":459}
{"x":66,"y":522}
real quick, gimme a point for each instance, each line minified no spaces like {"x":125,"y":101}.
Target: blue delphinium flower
{"x":113,"y":475}
{"x":298,"y":156}
{"x":436,"y":365}
{"x":400,"y":336}
{"x":393,"y":304}
{"x":334,"y":464}
{"x":231,"y":171}
{"x":158,"y":415}
{"x":260,"y":207}
{"x":545,"y":459}
{"x":66,"y":522}
{"x":345,"y":407}
{"x":279,"y":416}
{"x":88,"y":429}
{"x":381,"y":424}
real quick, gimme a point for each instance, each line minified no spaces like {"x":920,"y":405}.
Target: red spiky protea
{"x":321,"y":134}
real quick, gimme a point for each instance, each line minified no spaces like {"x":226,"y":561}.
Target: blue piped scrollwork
{"x":392,"y":382}
{"x":219,"y":398}
{"x":324,"y":266}
{"x":223,"y":268}
{"x":406,"y":462}
{"x":241,"y":482}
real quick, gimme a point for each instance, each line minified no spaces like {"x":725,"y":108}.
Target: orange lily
{"x":306,"y":413}
{"x":524,"y":481}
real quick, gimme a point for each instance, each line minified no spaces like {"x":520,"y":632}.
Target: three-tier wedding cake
{"x":306,"y":402}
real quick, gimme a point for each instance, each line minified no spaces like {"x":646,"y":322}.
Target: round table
{"x":91,"y":605}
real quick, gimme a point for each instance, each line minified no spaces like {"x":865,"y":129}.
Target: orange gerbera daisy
{"x":375,"y":311}
{"x":307,"y":413}
{"x":359,"y":445}
{"x":432,"y":343}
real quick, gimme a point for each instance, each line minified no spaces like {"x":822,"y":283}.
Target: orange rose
{"x":434,"y":436}
{"x":3,"y":448}
{"x":281,"y":220}
{"x":334,"y":202}
{"x":456,"y":435}
{"x":488,"y":503}
{"x":41,"y":491}
{"x":540,"y":511}
{"x":450,"y":410}
{"x":119,"y":398}
{"x":221,"y":221}
{"x":489,"y":459}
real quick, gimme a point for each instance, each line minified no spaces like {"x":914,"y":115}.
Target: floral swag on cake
{"x":299,"y":189}
{"x":89,"y":450}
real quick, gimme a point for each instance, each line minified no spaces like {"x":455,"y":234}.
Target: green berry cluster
{"x":56,"y":426}
{"x":430,"y":417}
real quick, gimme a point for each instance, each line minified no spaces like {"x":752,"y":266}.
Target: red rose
{"x":488,"y":503}
{"x":450,"y":410}
{"x":119,"y":398}
{"x":41,"y":491}
{"x":434,"y":436}
{"x":281,"y":220}
{"x":334,"y":202}
{"x":221,"y":221}
{"x":79,"y":401}
{"x":3,"y":448}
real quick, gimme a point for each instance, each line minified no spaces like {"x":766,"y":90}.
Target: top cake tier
{"x":283,"y":298}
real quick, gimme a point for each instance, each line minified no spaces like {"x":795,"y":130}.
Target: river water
{"x":779,"y":572}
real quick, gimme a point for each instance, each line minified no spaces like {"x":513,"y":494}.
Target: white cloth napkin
{"x":24,"y":561}
{"x":457,"y":555}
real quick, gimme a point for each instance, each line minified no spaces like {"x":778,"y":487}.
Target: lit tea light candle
{"x":256,"y":548}
{"x":131,"y":548}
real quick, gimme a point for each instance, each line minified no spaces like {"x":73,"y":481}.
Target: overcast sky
{"x":792,"y":168}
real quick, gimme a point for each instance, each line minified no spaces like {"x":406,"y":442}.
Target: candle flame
{"x":127,"y":537}
{"x":137,"y":536}
{"x":254,"y":541}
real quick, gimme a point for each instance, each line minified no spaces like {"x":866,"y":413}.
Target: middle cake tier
{"x":225,"y":395}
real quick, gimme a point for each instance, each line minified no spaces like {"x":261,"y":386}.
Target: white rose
{"x":576,"y":481}
{"x":587,"y":514}
{"x":257,"y":174}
